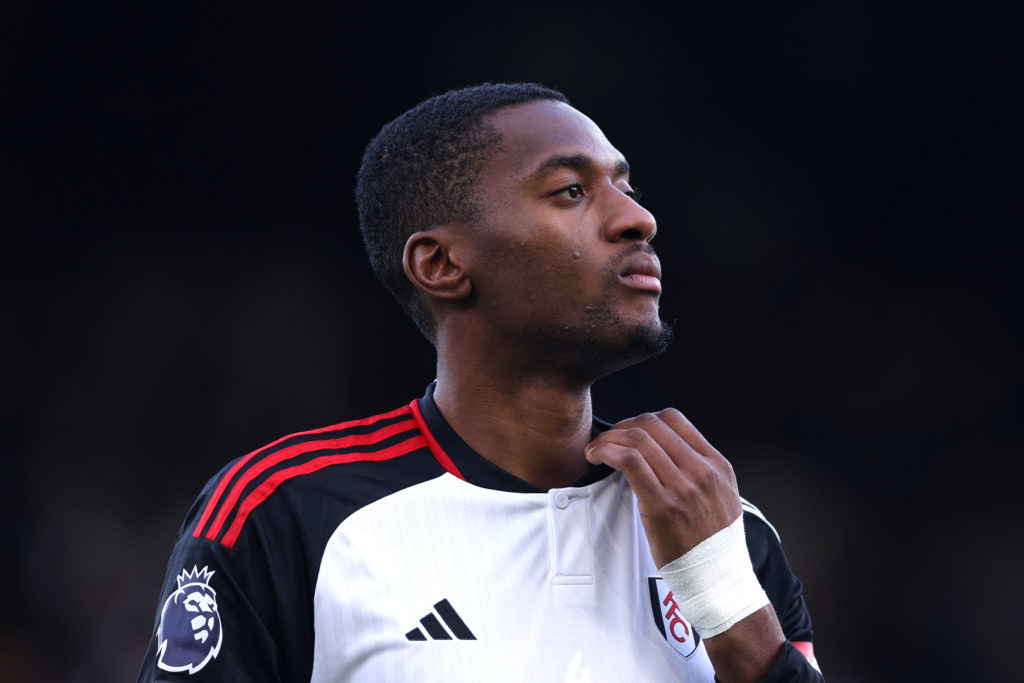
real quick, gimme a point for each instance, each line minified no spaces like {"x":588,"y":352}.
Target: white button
{"x":562,"y":500}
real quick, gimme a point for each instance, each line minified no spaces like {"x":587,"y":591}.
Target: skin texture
{"x":554,"y":286}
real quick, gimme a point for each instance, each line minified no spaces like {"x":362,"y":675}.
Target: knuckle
{"x":621,"y":456}
{"x":632,"y":458}
{"x":634,"y":436}
{"x":647,"y":419}
{"x":706,"y":478}
{"x":670,"y":413}
{"x":722,"y":469}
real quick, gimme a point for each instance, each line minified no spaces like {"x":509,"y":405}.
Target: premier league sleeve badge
{"x":190,"y":632}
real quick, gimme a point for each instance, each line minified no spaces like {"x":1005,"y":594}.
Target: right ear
{"x":433,"y":266}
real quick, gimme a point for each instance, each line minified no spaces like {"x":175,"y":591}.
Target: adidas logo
{"x":436,"y":631}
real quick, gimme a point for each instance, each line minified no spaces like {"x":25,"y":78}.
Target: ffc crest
{"x":190,"y":632}
{"x":678,"y":632}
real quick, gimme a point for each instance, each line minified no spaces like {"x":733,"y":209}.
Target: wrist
{"x":714,"y":583}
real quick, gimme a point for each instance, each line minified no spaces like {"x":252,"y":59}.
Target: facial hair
{"x":603,"y":342}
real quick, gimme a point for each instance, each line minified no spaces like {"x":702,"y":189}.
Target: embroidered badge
{"x":190,"y":632}
{"x":683,"y":638}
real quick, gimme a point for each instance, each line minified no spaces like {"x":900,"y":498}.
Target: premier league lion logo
{"x":190,"y":631}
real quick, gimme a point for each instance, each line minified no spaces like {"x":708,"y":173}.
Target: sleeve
{"x":231,"y":614}
{"x":785,"y":592}
{"x":793,"y":667}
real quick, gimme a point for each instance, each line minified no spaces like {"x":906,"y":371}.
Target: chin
{"x":639,"y":343}
{"x":650,"y":340}
{"x":587,"y":356}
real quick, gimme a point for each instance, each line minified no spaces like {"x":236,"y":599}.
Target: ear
{"x":432,"y":265}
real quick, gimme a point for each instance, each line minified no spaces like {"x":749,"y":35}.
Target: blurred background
{"x":838,"y":191}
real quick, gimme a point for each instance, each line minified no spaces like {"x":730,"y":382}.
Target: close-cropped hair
{"x":418,"y":173}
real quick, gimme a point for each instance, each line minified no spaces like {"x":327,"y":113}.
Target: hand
{"x":686,"y":490}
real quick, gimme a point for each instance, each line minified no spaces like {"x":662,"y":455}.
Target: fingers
{"x":674,"y":422}
{"x":636,"y":450}
{"x":685,"y":488}
{"x":637,"y":469}
{"x":681,"y":440}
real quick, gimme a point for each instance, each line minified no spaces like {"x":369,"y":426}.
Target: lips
{"x":642,"y":271}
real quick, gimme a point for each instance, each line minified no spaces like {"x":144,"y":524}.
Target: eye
{"x":633,"y":193}
{"x":574,"y":191}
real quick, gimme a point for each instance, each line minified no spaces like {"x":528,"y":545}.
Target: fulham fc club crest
{"x":683,"y":638}
{"x":190,"y":631}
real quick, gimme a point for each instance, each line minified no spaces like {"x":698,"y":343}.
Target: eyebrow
{"x":577,"y":162}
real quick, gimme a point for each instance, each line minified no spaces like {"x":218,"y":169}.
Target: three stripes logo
{"x":435,"y":622}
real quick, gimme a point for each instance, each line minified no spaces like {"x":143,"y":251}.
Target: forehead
{"x":536,"y":131}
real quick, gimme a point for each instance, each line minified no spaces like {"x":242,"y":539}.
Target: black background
{"x":837,"y":187}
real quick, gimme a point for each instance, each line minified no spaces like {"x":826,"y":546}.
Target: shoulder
{"x":253,"y":543}
{"x":313,"y":475}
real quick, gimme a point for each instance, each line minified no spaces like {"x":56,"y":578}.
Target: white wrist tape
{"x":714,"y":583}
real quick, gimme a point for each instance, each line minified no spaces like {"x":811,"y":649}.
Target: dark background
{"x":837,"y":187}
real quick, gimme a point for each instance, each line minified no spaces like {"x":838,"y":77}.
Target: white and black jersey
{"x":385,"y":549}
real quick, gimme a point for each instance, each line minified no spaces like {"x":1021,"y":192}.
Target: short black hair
{"x":418,"y":172}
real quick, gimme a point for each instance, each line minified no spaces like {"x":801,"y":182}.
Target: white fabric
{"x":714,"y":583}
{"x":555,"y":587}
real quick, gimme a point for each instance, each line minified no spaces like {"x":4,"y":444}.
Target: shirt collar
{"x":477,"y":469}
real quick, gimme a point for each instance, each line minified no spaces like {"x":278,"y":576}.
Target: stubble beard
{"x":602,"y":343}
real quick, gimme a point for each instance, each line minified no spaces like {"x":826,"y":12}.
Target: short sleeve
{"x":773,"y":571}
{"x":239,"y":613}
{"x":785,"y":592}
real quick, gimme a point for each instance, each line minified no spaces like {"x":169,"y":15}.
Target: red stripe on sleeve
{"x":807,"y":649}
{"x":226,"y":479}
{"x":263,"y":491}
{"x":293,"y":451}
{"x":435,"y":447}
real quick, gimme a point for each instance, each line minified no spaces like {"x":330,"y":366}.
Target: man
{"x":493,"y":529}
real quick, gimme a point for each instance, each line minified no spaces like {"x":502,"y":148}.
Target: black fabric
{"x":783,"y":588}
{"x":482,"y":472}
{"x":793,"y":667}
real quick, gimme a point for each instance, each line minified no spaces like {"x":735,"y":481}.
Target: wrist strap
{"x":714,"y":583}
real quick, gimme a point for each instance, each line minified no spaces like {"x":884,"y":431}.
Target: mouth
{"x":643,"y":272}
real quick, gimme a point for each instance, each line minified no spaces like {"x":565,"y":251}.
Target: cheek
{"x":543,"y":263}
{"x":565,"y":270}
{"x":537,"y":282}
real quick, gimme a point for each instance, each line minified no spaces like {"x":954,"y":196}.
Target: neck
{"x":531,"y":426}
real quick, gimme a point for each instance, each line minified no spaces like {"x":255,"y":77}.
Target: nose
{"x":627,"y":220}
